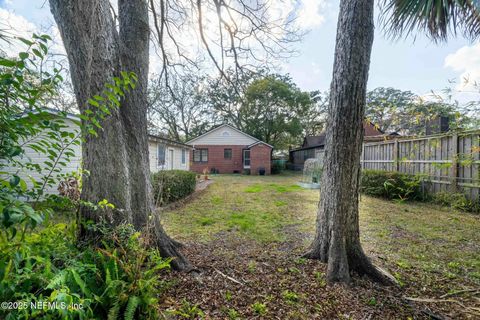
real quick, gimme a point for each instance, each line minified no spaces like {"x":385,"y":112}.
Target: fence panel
{"x":450,"y":162}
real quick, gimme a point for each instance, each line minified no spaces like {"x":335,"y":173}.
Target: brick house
{"x":226,"y":149}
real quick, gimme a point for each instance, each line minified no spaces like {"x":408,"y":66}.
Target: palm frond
{"x":437,"y":18}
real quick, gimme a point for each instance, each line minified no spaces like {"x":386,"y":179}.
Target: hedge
{"x":457,"y":201}
{"x":172,"y":185}
{"x":391,"y":185}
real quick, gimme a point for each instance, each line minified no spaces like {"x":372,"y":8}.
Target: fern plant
{"x":120,"y":280}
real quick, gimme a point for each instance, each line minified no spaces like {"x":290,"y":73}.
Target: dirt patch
{"x":239,"y":278}
{"x":202,"y":185}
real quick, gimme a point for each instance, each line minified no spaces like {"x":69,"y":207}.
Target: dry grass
{"x":432,"y":251}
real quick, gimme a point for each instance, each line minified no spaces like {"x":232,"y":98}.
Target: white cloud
{"x":465,"y":61}
{"x":316,"y":68}
{"x":311,"y":14}
{"x":16,"y":26}
{"x":308,"y":13}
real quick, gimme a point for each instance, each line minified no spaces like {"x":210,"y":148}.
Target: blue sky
{"x":419,"y":66}
{"x":409,"y":64}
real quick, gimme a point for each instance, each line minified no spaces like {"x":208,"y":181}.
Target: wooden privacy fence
{"x":447,"y":162}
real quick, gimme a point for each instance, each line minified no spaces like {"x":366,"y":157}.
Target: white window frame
{"x":202,"y":158}
{"x":184,"y":156}
{"x":160,"y":162}
{"x":245,"y":166}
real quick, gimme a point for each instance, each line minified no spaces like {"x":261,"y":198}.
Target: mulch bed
{"x":234,"y":273}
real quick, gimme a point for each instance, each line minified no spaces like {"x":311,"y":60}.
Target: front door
{"x":246,"y":159}
{"x":171,"y":159}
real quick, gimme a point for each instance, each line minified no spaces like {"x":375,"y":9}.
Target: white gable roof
{"x":224,"y":135}
{"x":260,"y":142}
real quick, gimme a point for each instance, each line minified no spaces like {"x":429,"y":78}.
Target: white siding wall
{"x":223,"y":135}
{"x":74,"y":165}
{"x":177,"y":157}
{"x":39,"y":158}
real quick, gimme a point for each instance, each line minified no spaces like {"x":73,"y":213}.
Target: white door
{"x":171,"y":159}
{"x":246,"y":159}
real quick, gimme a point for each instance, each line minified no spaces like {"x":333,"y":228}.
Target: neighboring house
{"x":226,"y":149}
{"x":38,"y":158}
{"x":164,"y":154}
{"x":313,"y":146}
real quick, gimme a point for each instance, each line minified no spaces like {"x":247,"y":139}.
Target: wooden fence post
{"x":454,"y":167}
{"x":363,"y":156}
{"x":396,"y":165}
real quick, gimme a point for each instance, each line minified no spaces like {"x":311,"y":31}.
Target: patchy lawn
{"x":245,"y":235}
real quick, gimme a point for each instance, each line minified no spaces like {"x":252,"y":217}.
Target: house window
{"x":160,"y":155}
{"x":200,"y":155}
{"x":227,"y":154}
{"x":226,"y":134}
{"x":184,"y":155}
{"x":204,"y":155}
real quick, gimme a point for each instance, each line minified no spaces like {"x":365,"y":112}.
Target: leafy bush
{"x":120,"y":280}
{"x":391,"y":185}
{"x":456,"y":200}
{"x":278,"y":166}
{"x":172,"y":185}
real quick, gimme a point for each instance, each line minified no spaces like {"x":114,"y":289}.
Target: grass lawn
{"x":248,"y":227}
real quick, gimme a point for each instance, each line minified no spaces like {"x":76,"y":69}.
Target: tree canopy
{"x":394,"y":110}
{"x":269,"y":107}
{"x":272,"y":110}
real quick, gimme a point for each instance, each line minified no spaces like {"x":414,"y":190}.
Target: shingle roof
{"x":313,"y":141}
{"x":319,"y":141}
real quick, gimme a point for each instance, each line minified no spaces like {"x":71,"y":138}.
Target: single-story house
{"x":164,"y":154}
{"x":313,"y":146}
{"x":225,"y":149}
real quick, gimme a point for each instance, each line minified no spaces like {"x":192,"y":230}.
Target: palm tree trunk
{"x":337,"y":240}
{"x":117,"y":160}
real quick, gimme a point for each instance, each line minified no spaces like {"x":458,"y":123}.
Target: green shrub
{"x":391,"y":185}
{"x":121,"y":280}
{"x":456,"y":200}
{"x":278,"y":166}
{"x":172,"y":185}
{"x":44,"y":266}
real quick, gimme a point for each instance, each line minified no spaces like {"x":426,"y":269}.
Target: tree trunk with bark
{"x":337,"y":240}
{"x":117,"y":160}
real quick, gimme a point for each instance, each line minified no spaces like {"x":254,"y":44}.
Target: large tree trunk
{"x":337,"y":240}
{"x":117,"y":160}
